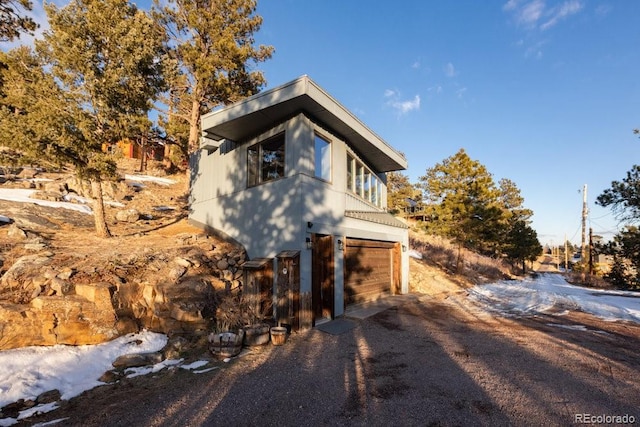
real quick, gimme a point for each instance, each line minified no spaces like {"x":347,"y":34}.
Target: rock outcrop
{"x":171,"y":290}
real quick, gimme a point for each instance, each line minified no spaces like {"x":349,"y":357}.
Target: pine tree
{"x":212,"y":47}
{"x":521,"y":244}
{"x":515,"y":227}
{"x":462,"y":200}
{"x":13,"y":22}
{"x":399,"y":190}
{"x":92,"y":83}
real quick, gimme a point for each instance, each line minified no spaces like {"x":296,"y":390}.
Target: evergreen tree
{"x":516,"y":235}
{"x":522,"y":244}
{"x":212,"y":47}
{"x":625,"y":249}
{"x":36,"y":119}
{"x":100,"y":74}
{"x":399,"y":190}
{"x":624,"y":199}
{"x":512,"y":201}
{"x":462,"y":200}
{"x":624,"y":196}
{"x":12,"y":21}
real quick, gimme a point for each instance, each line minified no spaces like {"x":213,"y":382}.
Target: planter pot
{"x":226,"y":344}
{"x":256,"y":334}
{"x":278,"y":335}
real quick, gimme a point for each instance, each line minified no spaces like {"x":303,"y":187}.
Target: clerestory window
{"x":362,"y":182}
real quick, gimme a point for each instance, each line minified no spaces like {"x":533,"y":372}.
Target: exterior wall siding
{"x":281,"y":214}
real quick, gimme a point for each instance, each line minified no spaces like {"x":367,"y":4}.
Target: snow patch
{"x":551,"y":294}
{"x":24,"y":196}
{"x":149,"y":178}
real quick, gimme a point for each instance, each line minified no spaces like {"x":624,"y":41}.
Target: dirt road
{"x":426,"y":362}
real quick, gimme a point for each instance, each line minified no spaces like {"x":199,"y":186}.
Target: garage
{"x":371,"y":269}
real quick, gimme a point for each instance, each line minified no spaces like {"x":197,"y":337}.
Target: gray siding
{"x":274,"y":216}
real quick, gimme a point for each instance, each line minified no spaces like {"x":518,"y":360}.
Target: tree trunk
{"x":98,"y":210}
{"x":194,"y":127}
{"x":194,"y":138}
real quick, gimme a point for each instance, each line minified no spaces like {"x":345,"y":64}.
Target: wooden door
{"x":322,"y":272}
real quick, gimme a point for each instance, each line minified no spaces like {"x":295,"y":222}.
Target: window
{"x":252,"y":165}
{"x":363,"y":182}
{"x":359,"y":177}
{"x":374,"y":190}
{"x":323,"y":158}
{"x":350,"y":163}
{"x":265,"y":161}
{"x":367,"y":185}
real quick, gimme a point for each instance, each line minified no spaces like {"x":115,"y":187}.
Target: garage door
{"x":368,"y":269}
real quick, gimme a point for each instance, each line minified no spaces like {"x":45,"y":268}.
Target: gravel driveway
{"x":426,"y":361}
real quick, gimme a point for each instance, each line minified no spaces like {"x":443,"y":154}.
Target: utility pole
{"x":590,"y":250}
{"x":585,"y":212}
{"x":566,"y":255}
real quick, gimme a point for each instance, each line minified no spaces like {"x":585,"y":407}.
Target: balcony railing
{"x":355,"y":203}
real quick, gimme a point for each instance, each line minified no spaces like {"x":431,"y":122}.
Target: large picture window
{"x":322,"y":158}
{"x":265,"y":161}
{"x":364,"y":183}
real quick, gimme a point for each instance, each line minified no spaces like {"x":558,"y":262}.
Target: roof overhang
{"x":256,"y":114}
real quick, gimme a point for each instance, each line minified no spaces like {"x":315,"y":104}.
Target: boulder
{"x":60,"y":286}
{"x":16,"y":232}
{"x":52,"y":196}
{"x":186,"y":313}
{"x":27,"y":173}
{"x":136,"y":360}
{"x":48,"y":397}
{"x":25,"y":266}
{"x":74,"y":320}
{"x":128,"y":215}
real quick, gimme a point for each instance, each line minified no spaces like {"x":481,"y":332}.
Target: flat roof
{"x":258,"y":113}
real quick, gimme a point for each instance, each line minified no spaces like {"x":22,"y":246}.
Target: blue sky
{"x":544,"y":93}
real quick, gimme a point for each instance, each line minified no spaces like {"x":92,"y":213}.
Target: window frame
{"x":256,"y":168}
{"x":363,"y":182}
{"x":326,"y":155}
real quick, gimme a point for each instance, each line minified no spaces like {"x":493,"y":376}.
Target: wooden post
{"x":288,"y":289}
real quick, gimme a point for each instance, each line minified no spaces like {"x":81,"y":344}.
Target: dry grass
{"x":442,"y":254}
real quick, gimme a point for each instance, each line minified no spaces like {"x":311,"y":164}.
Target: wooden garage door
{"x":368,"y":269}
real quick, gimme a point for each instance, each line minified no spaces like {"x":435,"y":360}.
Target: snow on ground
{"x":551,"y":294}
{"x":24,"y":196}
{"x":30,"y":371}
{"x":81,"y":204}
{"x":149,"y":178}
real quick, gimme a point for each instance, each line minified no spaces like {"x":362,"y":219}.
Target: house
{"x":133,"y":150}
{"x":290,"y":169}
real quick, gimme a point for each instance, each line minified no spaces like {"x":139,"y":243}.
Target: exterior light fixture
{"x":404,"y":248}
{"x":309,"y":224}
{"x":340,"y":245}
{"x":309,"y":243}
